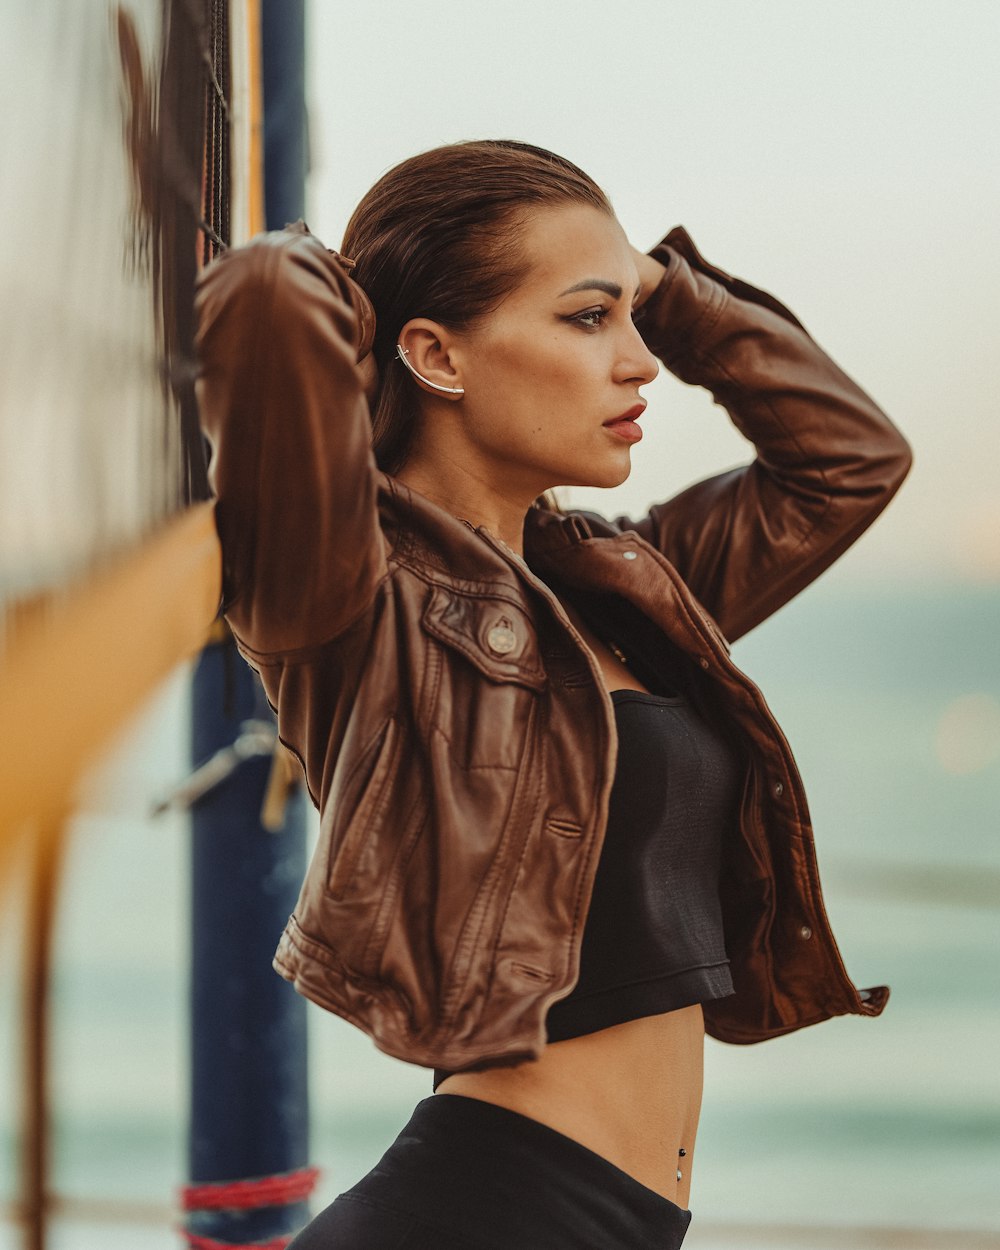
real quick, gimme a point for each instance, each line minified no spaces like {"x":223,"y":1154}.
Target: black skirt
{"x":466,"y":1175}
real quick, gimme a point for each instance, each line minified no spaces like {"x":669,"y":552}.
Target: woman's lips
{"x":625,"y":426}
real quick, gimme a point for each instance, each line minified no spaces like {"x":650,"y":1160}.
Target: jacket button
{"x":501,"y":639}
{"x":630,"y":555}
{"x":779,"y":789}
{"x":704,"y":662}
{"x":805,"y":932}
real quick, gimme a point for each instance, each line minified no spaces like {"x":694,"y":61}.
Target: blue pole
{"x":249,"y":1094}
{"x":286,"y":151}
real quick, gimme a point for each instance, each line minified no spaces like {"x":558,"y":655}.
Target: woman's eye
{"x":592,"y":318}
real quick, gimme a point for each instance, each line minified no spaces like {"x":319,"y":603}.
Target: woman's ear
{"x":428,"y":347}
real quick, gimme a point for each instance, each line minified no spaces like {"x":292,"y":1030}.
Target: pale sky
{"x":842,"y":155}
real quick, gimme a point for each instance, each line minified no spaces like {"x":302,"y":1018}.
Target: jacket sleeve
{"x":828,"y":459}
{"x":280,"y":330}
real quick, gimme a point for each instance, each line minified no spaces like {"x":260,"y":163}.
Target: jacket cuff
{"x":360,"y":303}
{"x":690,"y":298}
{"x":363,"y":308}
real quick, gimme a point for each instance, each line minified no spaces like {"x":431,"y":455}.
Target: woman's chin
{"x":624,"y":474}
{"x":611,"y":475}
{"x":605,"y":476}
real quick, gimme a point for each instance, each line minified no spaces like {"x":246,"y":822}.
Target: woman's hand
{"x":650,"y":273}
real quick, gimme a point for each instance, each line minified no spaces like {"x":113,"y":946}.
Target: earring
{"x":402,"y":352}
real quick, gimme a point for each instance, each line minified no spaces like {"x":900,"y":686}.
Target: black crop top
{"x":653,"y":939}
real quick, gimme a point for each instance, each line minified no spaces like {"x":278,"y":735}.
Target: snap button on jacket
{"x":452,"y":726}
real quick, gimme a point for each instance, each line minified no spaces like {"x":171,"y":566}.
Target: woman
{"x":560,"y":831}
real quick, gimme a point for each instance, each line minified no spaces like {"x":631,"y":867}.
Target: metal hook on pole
{"x":257,"y":737}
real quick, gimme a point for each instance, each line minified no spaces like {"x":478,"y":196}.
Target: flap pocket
{"x":493,"y":633}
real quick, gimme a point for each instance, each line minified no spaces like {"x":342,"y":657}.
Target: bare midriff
{"x":631,"y":1093}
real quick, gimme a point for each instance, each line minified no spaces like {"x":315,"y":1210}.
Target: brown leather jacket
{"x":453,"y":727}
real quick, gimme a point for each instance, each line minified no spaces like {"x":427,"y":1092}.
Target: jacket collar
{"x":578,"y":548}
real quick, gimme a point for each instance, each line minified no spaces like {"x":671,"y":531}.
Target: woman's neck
{"x":471,"y":497}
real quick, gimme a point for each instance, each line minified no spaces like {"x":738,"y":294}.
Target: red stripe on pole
{"x":209,"y":1243}
{"x":263,"y":1191}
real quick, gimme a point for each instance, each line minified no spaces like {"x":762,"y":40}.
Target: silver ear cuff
{"x":402,"y":352}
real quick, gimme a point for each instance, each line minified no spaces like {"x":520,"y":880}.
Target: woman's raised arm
{"x":828,"y":459}
{"x":281,"y":396}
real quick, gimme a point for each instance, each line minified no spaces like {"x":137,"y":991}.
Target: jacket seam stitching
{"x":462,"y":586}
{"x":511,"y":815}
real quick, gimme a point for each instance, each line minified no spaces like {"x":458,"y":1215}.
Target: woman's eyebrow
{"x":595,"y":284}
{"x":599,"y":284}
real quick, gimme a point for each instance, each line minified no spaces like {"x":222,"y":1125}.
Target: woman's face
{"x":550,"y":373}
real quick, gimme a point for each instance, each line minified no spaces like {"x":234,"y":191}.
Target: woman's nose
{"x":637,"y":363}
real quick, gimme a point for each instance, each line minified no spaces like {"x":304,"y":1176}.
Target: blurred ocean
{"x":856,"y":1133}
